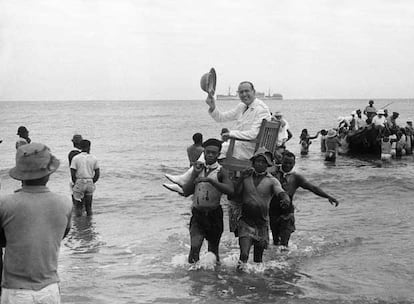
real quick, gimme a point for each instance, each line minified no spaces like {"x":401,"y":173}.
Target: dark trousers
{"x":205,"y":224}
{"x":282,"y":227}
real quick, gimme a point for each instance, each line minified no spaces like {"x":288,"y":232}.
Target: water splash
{"x":208,"y":261}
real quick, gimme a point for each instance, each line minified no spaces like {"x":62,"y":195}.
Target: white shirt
{"x":20,"y":142}
{"x":379,"y":121}
{"x":247,"y":125}
{"x":85,"y":165}
{"x":360,"y":122}
{"x":283,"y":134}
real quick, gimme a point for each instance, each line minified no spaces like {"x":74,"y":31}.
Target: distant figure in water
{"x":370,"y":111}
{"x":284,"y":134}
{"x":282,"y":219}
{"x":386,"y":146}
{"x":194,"y":151}
{"x":343,"y":147}
{"x":409,"y":131}
{"x":323,"y":140}
{"x":207,"y":183}
{"x":360,"y":120}
{"x":23,"y":137}
{"x":401,"y":143}
{"x":255,"y":188}
{"x":332,"y":144}
{"x":85,"y":173}
{"x":305,"y":141}
{"x":76,"y":140}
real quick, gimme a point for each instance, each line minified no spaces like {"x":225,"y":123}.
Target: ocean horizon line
{"x":201,"y":99}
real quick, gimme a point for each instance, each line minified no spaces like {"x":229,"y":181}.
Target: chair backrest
{"x":267,"y":138}
{"x":268,"y":135}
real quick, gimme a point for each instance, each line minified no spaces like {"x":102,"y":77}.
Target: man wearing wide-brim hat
{"x":331,"y":142}
{"x":379,"y":120}
{"x":23,"y":136}
{"x":34,"y":220}
{"x":256,"y":189}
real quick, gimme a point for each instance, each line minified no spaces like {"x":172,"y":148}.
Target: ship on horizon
{"x":260,"y":95}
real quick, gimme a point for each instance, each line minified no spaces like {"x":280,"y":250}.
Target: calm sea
{"x":134,"y":248}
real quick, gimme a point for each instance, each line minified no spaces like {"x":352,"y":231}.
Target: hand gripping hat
{"x":208,"y":82}
{"x":262,"y":151}
{"x":33,"y":161}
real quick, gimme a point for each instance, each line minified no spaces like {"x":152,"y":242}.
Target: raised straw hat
{"x":208,"y":82}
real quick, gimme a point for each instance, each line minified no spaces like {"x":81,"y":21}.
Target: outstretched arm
{"x":290,"y":135}
{"x":219,"y":116}
{"x":313,"y":137}
{"x":315,"y":189}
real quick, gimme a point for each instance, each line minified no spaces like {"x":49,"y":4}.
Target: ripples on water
{"x":134,"y":248}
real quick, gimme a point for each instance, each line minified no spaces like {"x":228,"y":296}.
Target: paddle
{"x":387,"y":104}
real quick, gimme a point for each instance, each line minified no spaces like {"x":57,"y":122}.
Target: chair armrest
{"x":241,"y":139}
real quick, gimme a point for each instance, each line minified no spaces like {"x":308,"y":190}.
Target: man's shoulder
{"x":60,"y":199}
{"x":74,"y":152}
{"x":7,"y":199}
{"x":77,"y":156}
{"x":21,"y":140}
{"x":260,"y":103}
{"x":194,"y":148}
{"x":271,"y":178}
{"x":261,"y":106}
{"x":93,"y":159}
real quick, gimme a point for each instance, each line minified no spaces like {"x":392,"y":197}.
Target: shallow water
{"x":133,"y":250}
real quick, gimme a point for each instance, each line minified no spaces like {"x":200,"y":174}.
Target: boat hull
{"x":365,"y":141}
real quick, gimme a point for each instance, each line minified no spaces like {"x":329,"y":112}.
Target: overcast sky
{"x":158,"y":49}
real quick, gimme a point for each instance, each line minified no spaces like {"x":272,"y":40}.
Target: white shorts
{"x":83,"y":187}
{"x":385,"y":156}
{"x":48,"y":295}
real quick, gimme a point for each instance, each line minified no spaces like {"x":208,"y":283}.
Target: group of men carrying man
{"x":264,"y":190}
